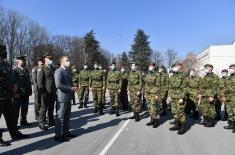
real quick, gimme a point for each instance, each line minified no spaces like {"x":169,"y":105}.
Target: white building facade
{"x":220,"y":56}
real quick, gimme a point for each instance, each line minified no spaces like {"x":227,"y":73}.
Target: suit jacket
{"x":63,"y":82}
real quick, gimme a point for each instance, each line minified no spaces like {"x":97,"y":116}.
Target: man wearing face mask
{"x":65,"y":91}
{"x":162,"y":87}
{"x":208,"y":91}
{"x":24,"y":90}
{"x":8,"y":89}
{"x":193,"y":85}
{"x":84,"y":79}
{"x":75,"y":75}
{"x":228,"y":97}
{"x":46,"y":86}
{"x":114,"y":83}
{"x":97,"y":85}
{"x":176,"y":96}
{"x":218,"y":101}
{"x":135,"y":83}
{"x":123,"y":94}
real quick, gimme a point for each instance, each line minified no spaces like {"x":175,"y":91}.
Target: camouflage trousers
{"x":177,"y":111}
{"x":230,"y":107}
{"x":114,"y":97}
{"x":97,"y":97}
{"x":103,"y":96}
{"x":207,"y":109}
{"x":83,"y":94}
{"x":135,"y":101}
{"x":153,"y":107}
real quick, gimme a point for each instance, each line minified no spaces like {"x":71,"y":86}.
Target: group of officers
{"x":185,"y":94}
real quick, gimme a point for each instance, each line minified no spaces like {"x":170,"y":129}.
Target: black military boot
{"x":133,"y":116}
{"x":25,"y":123}
{"x":173,"y":122}
{"x":42,"y":126}
{"x":150,"y":122}
{"x":112,"y":111}
{"x":137,"y":116}
{"x":96,"y":110}
{"x":101,"y":111}
{"x":155,"y":123}
{"x":175,"y":127}
{"x":85,"y":105}
{"x":195,"y":115}
{"x":182,"y":129}
{"x":204,"y":121}
{"x":81,"y":105}
{"x":117,"y":111}
{"x":211,"y":123}
{"x":4,"y":143}
{"x":231,"y":125}
{"x":233,"y":130}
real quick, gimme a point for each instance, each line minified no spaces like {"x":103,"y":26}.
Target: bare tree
{"x":157,"y":58}
{"x":171,"y":57}
{"x":189,"y":61}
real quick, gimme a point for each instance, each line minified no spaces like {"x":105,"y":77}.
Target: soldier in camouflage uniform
{"x":114,"y":83}
{"x":162,"y":83}
{"x":104,"y":91}
{"x":75,"y":81}
{"x":24,"y":90}
{"x":83,"y":84}
{"x":208,"y":92}
{"x":193,"y":85}
{"x":97,"y":83}
{"x":228,"y":95}
{"x":176,"y":95}
{"x":123,"y":94}
{"x":37,"y":95}
{"x":135,"y":82}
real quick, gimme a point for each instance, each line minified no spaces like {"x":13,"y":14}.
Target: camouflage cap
{"x":232,"y":65}
{"x":208,"y":65}
{"x":224,"y":70}
{"x":48,"y":55}
{"x":21,"y":57}
{"x":3,"y":49}
{"x":161,"y":66}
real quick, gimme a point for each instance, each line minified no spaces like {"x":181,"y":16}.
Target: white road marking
{"x":110,"y":143}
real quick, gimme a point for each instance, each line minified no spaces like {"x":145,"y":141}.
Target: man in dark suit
{"x":46,"y":87}
{"x":65,"y":91}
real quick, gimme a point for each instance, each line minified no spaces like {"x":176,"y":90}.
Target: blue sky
{"x":183,"y":25}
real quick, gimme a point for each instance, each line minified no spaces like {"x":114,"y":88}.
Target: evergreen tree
{"x":141,"y":51}
{"x":124,"y":59}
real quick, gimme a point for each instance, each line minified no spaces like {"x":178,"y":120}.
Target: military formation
{"x":185,"y":95}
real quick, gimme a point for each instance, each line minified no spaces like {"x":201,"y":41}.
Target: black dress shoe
{"x":69,"y":135}
{"x":61,"y":139}
{"x":51,"y":123}
{"x":25,"y":123}
{"x":4,"y":143}
{"x":20,"y":136}
{"x":42,"y":127}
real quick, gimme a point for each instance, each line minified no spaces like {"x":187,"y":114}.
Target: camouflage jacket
{"x":114,"y":80}
{"x":7,"y":80}
{"x":177,"y":86}
{"x":84,"y":78}
{"x":97,"y":79}
{"x":135,"y":81}
{"x":209,"y":85}
{"x":193,"y":86}
{"x":23,"y":81}
{"x":124,"y":81}
{"x":230,"y":87}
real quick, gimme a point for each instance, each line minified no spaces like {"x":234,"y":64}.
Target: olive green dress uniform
{"x":135,"y":83}
{"x":84,"y":80}
{"x":209,"y":88}
{"x":23,"y":82}
{"x":97,"y":83}
{"x":123,"y":94}
{"x":46,"y":86}
{"x":114,"y":83}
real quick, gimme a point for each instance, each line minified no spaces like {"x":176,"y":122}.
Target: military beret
{"x":208,"y":65}
{"x":22,"y":57}
{"x":3,"y":49}
{"x":232,"y":65}
{"x":48,"y":55}
{"x":224,"y":70}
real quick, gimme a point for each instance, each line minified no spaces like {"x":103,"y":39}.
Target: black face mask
{"x":3,"y":55}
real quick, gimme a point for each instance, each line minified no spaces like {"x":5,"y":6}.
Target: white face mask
{"x":67,"y":64}
{"x":224,"y":74}
{"x":174,"y":69}
{"x":206,"y":70}
{"x":100,"y":67}
{"x":231,"y":70}
{"x":192,"y":73}
{"x":85,"y":67}
{"x":122,"y":70}
{"x":150,"y":69}
{"x":159,"y":70}
{"x":50,"y":62}
{"x":112,"y":67}
{"x":133,"y":67}
{"x":96,"y":66}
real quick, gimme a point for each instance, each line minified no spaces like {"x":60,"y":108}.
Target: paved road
{"x":119,"y":136}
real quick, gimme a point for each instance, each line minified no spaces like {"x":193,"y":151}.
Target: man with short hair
{"x":65,"y":91}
